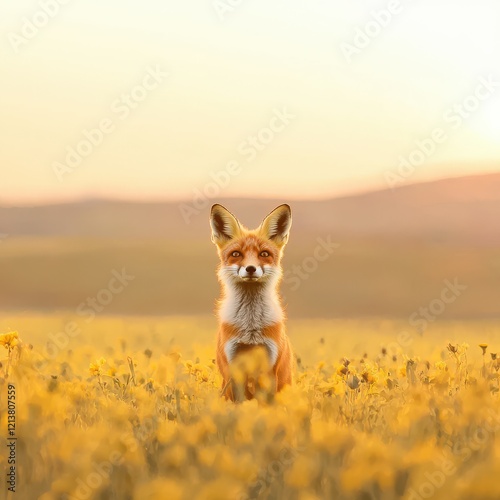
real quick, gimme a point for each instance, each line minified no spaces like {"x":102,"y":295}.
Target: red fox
{"x":254,"y":354}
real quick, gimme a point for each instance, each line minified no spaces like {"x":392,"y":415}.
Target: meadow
{"x":129,"y":408}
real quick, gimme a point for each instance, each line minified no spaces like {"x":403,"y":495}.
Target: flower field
{"x":130,"y":409}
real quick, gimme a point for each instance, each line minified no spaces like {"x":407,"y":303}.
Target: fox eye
{"x":264,"y":253}
{"x":236,"y":254}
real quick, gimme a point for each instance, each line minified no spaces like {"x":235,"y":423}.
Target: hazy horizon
{"x":116,"y":197}
{"x":311,"y":100}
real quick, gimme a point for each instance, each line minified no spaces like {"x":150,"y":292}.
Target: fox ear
{"x":224,"y":224}
{"x":276,"y":226}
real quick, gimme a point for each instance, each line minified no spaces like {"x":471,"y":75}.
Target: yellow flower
{"x":112,"y":371}
{"x":95,"y":367}
{"x":342,"y":370}
{"x":9,"y":340}
{"x":483,"y":347}
{"x":368,"y":377}
{"x":441,"y":365}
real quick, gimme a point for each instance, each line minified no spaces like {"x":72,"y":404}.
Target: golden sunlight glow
{"x":307,"y":99}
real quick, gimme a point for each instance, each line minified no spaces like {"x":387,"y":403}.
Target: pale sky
{"x":357,"y":89}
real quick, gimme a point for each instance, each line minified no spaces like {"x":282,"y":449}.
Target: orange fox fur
{"x":250,"y":313}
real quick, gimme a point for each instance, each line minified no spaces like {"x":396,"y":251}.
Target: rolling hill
{"x":395,"y":251}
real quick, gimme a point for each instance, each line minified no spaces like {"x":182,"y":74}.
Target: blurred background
{"x":378,"y":122}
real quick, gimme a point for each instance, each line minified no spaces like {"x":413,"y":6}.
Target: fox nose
{"x":250,"y":269}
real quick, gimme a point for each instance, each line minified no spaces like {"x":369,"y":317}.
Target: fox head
{"x":250,"y":256}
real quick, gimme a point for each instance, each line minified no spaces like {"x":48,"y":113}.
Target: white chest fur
{"x":250,"y":311}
